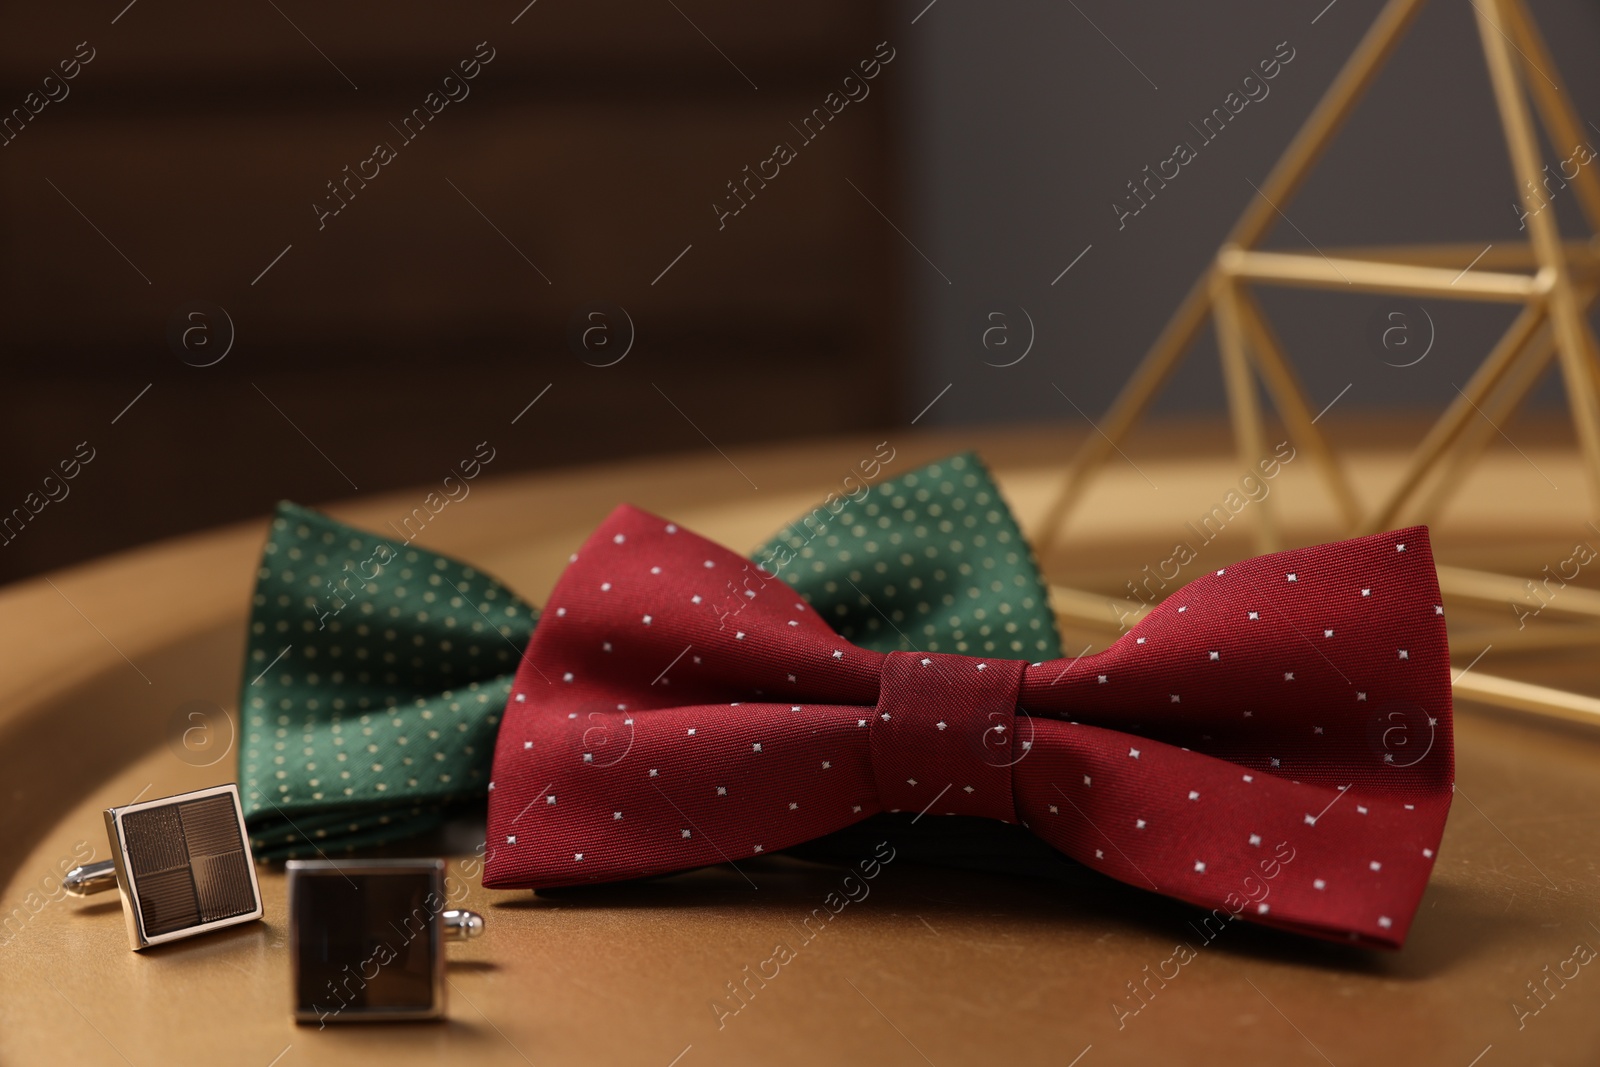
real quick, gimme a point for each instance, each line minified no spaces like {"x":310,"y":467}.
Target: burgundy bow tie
{"x":1273,"y":741}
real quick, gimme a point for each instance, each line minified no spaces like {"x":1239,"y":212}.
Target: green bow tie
{"x":376,"y":672}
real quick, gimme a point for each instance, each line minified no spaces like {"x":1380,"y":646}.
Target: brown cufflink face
{"x":181,"y":864}
{"x":365,"y":939}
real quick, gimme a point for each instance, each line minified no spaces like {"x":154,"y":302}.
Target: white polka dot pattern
{"x":375,"y":678}
{"x":1154,"y":761}
{"x":353,"y":638}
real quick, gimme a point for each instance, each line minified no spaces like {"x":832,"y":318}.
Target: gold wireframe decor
{"x":1553,"y":281}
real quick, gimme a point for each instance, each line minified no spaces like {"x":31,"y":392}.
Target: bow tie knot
{"x":943,"y":734}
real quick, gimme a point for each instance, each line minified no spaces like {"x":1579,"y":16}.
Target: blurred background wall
{"x":1031,"y":119}
{"x":288,"y":250}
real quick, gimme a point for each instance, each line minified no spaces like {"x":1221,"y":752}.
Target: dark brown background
{"x":408,"y":330}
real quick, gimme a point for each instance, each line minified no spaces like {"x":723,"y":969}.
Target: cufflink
{"x":182,"y":866}
{"x":365,"y":939}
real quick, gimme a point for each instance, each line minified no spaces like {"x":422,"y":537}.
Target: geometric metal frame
{"x":1562,"y":279}
{"x":1555,"y":285}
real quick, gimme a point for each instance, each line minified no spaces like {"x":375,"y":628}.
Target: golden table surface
{"x":936,"y":965}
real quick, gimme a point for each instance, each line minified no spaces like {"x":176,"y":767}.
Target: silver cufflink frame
{"x":366,"y":939}
{"x":181,"y":864}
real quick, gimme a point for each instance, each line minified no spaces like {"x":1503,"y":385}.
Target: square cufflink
{"x":181,"y":864}
{"x":365,"y":939}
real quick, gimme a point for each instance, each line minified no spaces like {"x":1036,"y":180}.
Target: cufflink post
{"x":461,"y":925}
{"x":90,"y":878}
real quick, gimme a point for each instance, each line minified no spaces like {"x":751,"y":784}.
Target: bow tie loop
{"x":943,"y":734}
